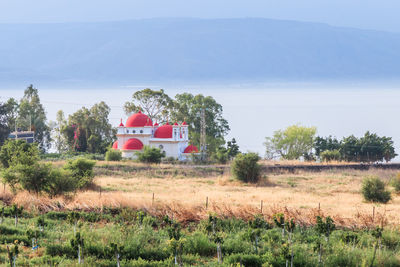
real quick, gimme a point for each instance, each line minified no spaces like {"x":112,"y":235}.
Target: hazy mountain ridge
{"x":194,"y":50}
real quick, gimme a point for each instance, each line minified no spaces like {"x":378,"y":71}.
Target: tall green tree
{"x":322,"y":144}
{"x":8,"y":116}
{"x":32,"y":114}
{"x":188,"y":107}
{"x":155,"y":104}
{"x":89,"y":130}
{"x":291,"y":143}
{"x":59,"y":141}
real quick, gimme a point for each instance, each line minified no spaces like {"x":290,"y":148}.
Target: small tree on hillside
{"x":82,"y":170}
{"x":373,"y":189}
{"x":33,"y":177}
{"x":245,"y":167}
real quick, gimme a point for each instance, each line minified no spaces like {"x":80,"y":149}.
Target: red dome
{"x":184,"y":123}
{"x":138,"y":120}
{"x":191,"y":149}
{"x":133,"y":144}
{"x":115,"y":145}
{"x":164,"y":131}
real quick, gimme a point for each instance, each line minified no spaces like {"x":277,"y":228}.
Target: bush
{"x":15,"y":152}
{"x":330,"y":155}
{"x":396,"y":183}
{"x":373,"y":189}
{"x":198,"y":243}
{"x":150,"y":155}
{"x":245,"y":260}
{"x":113,"y":155}
{"x":221,"y":156}
{"x":82,"y":170}
{"x":245,"y":167}
{"x":33,"y":177}
{"x":60,"y":181}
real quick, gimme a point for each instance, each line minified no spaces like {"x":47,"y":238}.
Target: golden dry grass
{"x":302,"y":196}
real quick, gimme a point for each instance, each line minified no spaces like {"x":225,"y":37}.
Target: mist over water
{"x":256,"y":112}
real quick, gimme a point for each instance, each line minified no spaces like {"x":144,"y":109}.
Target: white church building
{"x":139,"y":131}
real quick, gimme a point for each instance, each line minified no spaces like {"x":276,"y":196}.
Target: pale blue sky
{"x":369,"y":14}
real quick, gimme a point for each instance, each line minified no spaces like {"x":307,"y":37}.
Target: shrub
{"x":33,"y":177}
{"x":330,"y":155}
{"x":59,"y":181}
{"x":221,"y":156}
{"x":82,"y":170}
{"x":245,"y":167}
{"x":113,"y":155}
{"x":396,"y":183}
{"x":373,"y":189}
{"x":150,"y":155}
{"x":245,"y":260}
{"x":198,"y":243}
{"x":15,"y":152}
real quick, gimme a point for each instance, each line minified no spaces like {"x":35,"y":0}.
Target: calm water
{"x":254,"y":114}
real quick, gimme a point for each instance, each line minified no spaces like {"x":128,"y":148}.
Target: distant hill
{"x":214,"y":50}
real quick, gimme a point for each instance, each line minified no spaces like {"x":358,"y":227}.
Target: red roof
{"x":149,"y":123}
{"x":175,"y":124}
{"x":184,"y":123}
{"x":164,"y":131}
{"x":138,"y":120}
{"x":191,"y":149}
{"x":115,"y":145}
{"x":156,"y":124}
{"x":133,"y":144}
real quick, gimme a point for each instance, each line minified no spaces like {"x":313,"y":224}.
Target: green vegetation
{"x":369,"y":148}
{"x":396,"y":183}
{"x":81,"y":170}
{"x":124,"y":237}
{"x":245,"y":168}
{"x":88,"y":130}
{"x":292,"y":143}
{"x":150,"y":155}
{"x":330,"y":155}
{"x":373,"y":189}
{"x":113,"y":155}
{"x":155,"y":104}
{"x":22,"y":170}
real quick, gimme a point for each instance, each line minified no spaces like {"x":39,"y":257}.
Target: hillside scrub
{"x":22,"y":170}
{"x":373,"y":189}
{"x":245,"y":168}
{"x":81,"y":170}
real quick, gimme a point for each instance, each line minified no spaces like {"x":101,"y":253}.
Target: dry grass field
{"x":182,"y":191}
